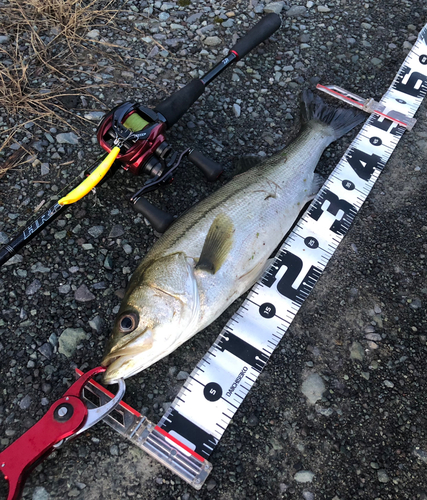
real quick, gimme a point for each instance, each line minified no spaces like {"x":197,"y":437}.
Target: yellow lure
{"x":92,"y":180}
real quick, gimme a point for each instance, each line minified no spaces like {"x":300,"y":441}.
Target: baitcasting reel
{"x":144,"y":151}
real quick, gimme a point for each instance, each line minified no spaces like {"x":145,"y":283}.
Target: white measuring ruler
{"x":187,"y":434}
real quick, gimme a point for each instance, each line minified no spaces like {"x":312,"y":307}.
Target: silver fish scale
{"x":220,"y":382}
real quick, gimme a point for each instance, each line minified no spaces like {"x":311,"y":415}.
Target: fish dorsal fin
{"x":217,"y":244}
{"x":245,"y":163}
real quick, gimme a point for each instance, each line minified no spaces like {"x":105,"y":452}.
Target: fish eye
{"x":128,"y":322}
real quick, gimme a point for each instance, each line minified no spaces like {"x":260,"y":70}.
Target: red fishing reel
{"x":144,"y":150}
{"x":139,"y":146}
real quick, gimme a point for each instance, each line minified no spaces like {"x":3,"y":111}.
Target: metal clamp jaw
{"x":66,"y":418}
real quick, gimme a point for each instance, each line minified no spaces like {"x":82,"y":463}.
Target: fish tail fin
{"x":341,"y":120}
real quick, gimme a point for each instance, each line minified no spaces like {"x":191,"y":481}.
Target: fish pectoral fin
{"x":217,"y":245}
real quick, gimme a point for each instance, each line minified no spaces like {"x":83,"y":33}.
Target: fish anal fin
{"x":318,"y":181}
{"x":217,"y":244}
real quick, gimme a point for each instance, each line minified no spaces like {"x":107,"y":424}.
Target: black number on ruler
{"x":267,"y":310}
{"x":241,"y":349}
{"x":202,"y":440}
{"x":363,"y":163}
{"x":423,"y":59}
{"x":346,"y":184}
{"x":311,"y":242}
{"x":212,"y":391}
{"x":416,"y":84}
{"x":375,"y":141}
{"x":387,"y":125}
{"x":334,"y":206}
{"x":294,"y":267}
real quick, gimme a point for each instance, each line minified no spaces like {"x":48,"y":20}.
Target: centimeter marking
{"x":217,"y":386}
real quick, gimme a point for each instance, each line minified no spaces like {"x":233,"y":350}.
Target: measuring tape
{"x":191,"y":428}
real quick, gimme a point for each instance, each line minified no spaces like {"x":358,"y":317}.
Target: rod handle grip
{"x":259,"y":33}
{"x":174,"y":106}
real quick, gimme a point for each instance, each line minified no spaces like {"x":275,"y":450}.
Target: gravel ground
{"x":361,"y":336}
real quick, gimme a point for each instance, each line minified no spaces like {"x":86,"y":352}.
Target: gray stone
{"x":83,"y":294}
{"x":69,"y":340}
{"x":308,"y":495}
{"x":313,"y":387}
{"x":94,"y":115}
{"x":227,"y":24}
{"x":296,"y":10}
{"x":44,"y":169}
{"x":40,"y":494}
{"x":212,"y":41}
{"x":39,"y":268}
{"x":67,"y":138}
{"x":64,"y":288}
{"x":96,"y":323}
{"x":356,"y":351}
{"x":236,"y":110}
{"x":25,"y":402}
{"x":127,"y":249}
{"x":4,"y":39}
{"x":182,"y":375}
{"x":163,"y":16}
{"x":94,"y":34}
{"x":60,"y":235}
{"x":382,"y":476}
{"x":194,"y":17}
{"x":375,"y":337}
{"x":167,"y":6}
{"x":154,"y":51}
{"x":46,"y":350}
{"x":96,"y":231}
{"x":116,"y":231}
{"x":275,"y":7}
{"x":304,"y":476}
{"x":33,"y":287}
{"x":323,"y":8}
{"x":16,"y":259}
{"x":108,"y":262}
{"x":4,"y":238}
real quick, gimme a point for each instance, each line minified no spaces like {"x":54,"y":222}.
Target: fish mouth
{"x":121,"y":359}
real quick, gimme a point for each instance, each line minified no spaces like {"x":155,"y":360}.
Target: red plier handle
{"x":65,"y":418}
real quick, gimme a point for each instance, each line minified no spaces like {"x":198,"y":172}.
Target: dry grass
{"x":47,"y":49}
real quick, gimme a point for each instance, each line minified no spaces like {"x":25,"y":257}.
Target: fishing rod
{"x":133,"y":137}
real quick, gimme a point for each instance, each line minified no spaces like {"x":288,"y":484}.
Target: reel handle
{"x":159,"y":219}
{"x":210,"y":168}
{"x":259,"y":33}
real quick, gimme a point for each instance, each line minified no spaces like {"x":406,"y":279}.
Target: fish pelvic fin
{"x":217,"y":245}
{"x":341,"y":120}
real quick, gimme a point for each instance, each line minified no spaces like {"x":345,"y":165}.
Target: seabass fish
{"x":218,"y":249}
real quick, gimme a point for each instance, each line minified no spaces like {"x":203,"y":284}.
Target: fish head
{"x":159,"y":307}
